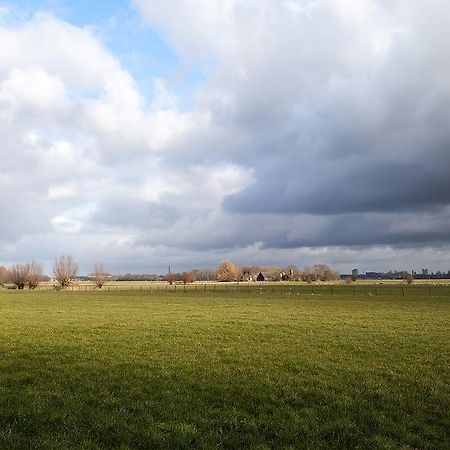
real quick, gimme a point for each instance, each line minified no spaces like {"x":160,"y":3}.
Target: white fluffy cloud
{"x":81,"y":147}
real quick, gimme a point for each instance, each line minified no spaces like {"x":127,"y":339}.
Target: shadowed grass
{"x":133,"y":370}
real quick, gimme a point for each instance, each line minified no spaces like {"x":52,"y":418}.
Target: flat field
{"x":237,"y":369}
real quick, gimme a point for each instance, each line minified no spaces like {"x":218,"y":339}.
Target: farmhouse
{"x":263,"y":276}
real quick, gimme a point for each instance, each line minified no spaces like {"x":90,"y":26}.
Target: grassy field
{"x":131,"y":369}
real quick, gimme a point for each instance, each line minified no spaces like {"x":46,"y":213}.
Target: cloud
{"x":319,"y":132}
{"x":85,"y":153}
{"x":341,"y":105}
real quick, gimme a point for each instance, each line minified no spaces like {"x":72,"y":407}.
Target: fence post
{"x":331,"y":290}
{"x":403,"y":292}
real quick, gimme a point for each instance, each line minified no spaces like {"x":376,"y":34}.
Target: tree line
{"x":227,"y":271}
{"x":65,"y":270}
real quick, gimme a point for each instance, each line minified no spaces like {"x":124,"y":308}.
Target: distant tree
{"x":4,"y":275}
{"x":35,"y":274}
{"x":187,"y":277}
{"x":171,"y":278}
{"x":406,"y":277}
{"x":324,"y":273}
{"x":292,"y":273}
{"x":211,"y":274}
{"x":245,"y":273}
{"x":348,"y":280}
{"x":274,"y":273}
{"x":227,"y":271}
{"x":307,"y":275}
{"x":65,"y":270}
{"x":18,"y":275}
{"x":99,"y":275}
{"x":137,"y":277}
{"x":254,"y":271}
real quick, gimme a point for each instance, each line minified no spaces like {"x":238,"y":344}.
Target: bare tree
{"x":171,"y":278}
{"x":4,"y":275}
{"x":187,"y":277}
{"x":306,"y":272}
{"x":35,"y":274}
{"x":227,"y":271}
{"x":246,"y":273}
{"x":273,"y":273}
{"x":206,"y":275}
{"x":65,"y":270}
{"x":293,"y":273}
{"x":307,"y":275}
{"x":18,"y":275}
{"x":322,"y":272}
{"x":406,"y":277}
{"x":99,"y":275}
{"x":254,"y":271}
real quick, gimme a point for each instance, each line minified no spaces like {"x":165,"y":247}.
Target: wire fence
{"x":267,"y":288}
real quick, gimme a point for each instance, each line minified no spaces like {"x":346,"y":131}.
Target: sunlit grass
{"x":262,"y":370}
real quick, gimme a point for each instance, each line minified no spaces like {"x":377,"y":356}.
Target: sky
{"x":150,"y":133}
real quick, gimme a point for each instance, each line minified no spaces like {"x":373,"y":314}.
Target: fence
{"x":270,"y":288}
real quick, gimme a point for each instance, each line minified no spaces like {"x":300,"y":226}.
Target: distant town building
{"x":424,"y":271}
{"x":355,"y":273}
{"x":372,"y":274}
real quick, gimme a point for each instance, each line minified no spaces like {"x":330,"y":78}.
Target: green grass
{"x":250,"y":370}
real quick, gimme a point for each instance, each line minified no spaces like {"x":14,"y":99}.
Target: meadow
{"x":271,"y":367}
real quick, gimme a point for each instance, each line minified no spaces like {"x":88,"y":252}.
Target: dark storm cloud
{"x":329,"y":188}
{"x":369,"y":137}
{"x":369,"y":230}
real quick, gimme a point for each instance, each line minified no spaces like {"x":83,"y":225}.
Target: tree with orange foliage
{"x":227,"y":271}
{"x":187,"y":277}
{"x":171,"y":278}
